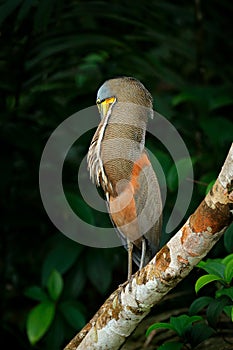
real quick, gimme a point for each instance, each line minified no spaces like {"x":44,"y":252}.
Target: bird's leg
{"x":130,"y":263}
{"x":143,"y":253}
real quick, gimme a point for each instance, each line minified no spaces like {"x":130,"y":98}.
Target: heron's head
{"x":122,"y":90}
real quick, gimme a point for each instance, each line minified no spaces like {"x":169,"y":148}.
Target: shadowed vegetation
{"x":54,"y":55}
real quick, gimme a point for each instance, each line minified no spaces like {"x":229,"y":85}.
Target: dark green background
{"x":53,"y":57}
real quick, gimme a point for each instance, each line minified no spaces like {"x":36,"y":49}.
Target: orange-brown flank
{"x":123,"y":208}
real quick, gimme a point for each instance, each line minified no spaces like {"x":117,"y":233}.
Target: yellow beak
{"x":104,"y":105}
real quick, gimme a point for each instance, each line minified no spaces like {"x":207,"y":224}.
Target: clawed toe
{"x":122,"y":286}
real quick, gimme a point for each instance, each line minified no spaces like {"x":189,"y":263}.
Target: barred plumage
{"x":118,"y":162}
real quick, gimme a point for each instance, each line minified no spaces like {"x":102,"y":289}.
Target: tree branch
{"x":124,"y":310}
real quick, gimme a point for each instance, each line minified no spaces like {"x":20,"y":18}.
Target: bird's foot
{"x":130,"y":280}
{"x":122,"y":286}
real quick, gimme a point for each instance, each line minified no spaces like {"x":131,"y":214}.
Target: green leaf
{"x":99,"y":57}
{"x":220,"y":101}
{"x":61,"y":257}
{"x":55,"y":285}
{"x":204,"y":280}
{"x":75,"y":282}
{"x":199,"y":304}
{"x":213,"y":267}
{"x":183,"y":97}
{"x":229,"y":311}
{"x":225,"y":291}
{"x":198,"y":333}
{"x":158,"y":326}
{"x":57,"y":334}
{"x":229,"y":271}
{"x":179,"y":172}
{"x":36,"y":293}
{"x":214,"y":309}
{"x":173,"y":345}
{"x":227,"y":259}
{"x":228,"y":239}
{"x":73,"y":314}
{"x":39,"y":319}
{"x":181,"y":323}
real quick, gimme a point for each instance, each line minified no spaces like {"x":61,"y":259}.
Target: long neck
{"x":123,"y":141}
{"x":117,"y":144}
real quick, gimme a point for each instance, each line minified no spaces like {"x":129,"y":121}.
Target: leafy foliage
{"x":54,"y":55}
{"x":190,"y":330}
{"x":41,"y":316}
{"x":39,"y":320}
{"x":219,"y":271}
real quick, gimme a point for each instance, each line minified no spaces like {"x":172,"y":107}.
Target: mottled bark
{"x":124,"y":310}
